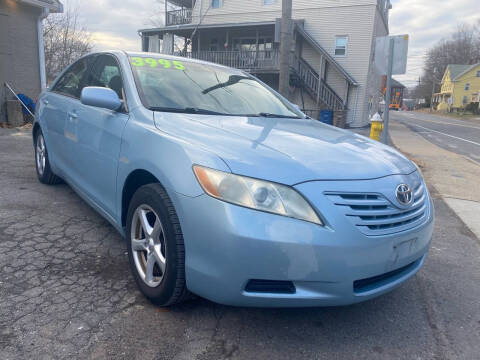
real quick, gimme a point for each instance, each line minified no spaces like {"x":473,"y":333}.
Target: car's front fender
{"x":170,"y":160}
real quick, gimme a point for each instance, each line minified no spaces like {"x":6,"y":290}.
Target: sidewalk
{"x":455,"y":177}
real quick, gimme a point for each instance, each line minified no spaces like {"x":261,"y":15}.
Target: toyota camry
{"x":224,"y":189}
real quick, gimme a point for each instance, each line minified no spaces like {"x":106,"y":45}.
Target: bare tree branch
{"x":65,"y":39}
{"x":462,"y":47}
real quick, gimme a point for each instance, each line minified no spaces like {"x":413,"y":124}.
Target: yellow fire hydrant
{"x":376,"y":127}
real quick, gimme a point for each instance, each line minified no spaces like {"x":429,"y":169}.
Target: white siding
{"x":360,"y":20}
{"x":311,"y":56}
{"x":234,"y":11}
{"x":337,"y":82}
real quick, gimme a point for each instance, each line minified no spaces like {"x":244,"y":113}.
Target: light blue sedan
{"x":224,"y":189}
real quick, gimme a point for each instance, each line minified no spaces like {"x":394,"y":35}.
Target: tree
{"x":462,"y":47}
{"x":65,"y":39}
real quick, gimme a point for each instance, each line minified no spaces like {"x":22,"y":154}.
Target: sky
{"x":114,"y":24}
{"x":427,"y":22}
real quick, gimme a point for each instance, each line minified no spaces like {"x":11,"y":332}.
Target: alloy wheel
{"x":148,"y":245}
{"x":40,"y":155}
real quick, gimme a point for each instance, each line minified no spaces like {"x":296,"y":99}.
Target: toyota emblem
{"x":404,"y":194}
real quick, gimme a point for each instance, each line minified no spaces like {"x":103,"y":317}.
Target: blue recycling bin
{"x":326,"y":116}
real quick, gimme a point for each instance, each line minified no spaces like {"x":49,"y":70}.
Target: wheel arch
{"x":136,"y":179}
{"x":35,"y":130}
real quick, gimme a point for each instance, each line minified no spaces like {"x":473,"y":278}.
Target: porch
{"x":442,"y":101}
{"x":181,"y":14}
{"x":442,"y":97}
{"x":179,"y":17}
{"x":251,"y":61}
{"x":254,"y":47}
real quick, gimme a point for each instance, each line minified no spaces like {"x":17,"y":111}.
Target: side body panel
{"x":52,"y":114}
{"x":168,"y":158}
{"x":94,"y":140}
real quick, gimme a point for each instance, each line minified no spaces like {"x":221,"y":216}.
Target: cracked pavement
{"x":66,"y":292}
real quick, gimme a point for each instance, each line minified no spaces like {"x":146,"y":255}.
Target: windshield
{"x":185,"y":86}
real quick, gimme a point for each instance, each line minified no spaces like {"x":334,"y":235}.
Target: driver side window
{"x":73,"y":81}
{"x":106,"y":73}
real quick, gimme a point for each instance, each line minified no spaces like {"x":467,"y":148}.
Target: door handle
{"x":72,"y":115}
{"x":45,"y":102}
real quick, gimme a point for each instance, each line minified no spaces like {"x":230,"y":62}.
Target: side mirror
{"x":100,"y":97}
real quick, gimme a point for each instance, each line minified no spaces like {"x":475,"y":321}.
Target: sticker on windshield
{"x":151,"y":62}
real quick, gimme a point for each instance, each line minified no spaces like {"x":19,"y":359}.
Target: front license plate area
{"x":401,"y":250}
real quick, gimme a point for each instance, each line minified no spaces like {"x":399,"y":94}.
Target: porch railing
{"x":318,"y":87}
{"x":245,"y":60}
{"x":179,"y":17}
{"x":253,"y":61}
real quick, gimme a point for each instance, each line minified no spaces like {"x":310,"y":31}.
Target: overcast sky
{"x":114,"y":23}
{"x":427,"y":21}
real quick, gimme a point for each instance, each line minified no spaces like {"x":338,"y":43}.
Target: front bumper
{"x":228,"y":245}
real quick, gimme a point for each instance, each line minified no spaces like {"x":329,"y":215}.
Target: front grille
{"x":270,"y":286}
{"x":375,"y":282}
{"x":374,"y":214}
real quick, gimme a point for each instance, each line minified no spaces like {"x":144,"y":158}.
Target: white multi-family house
{"x":332,"y":54}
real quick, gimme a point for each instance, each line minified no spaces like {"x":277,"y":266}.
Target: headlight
{"x":255,"y":194}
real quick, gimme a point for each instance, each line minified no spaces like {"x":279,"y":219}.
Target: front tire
{"x":42,"y":164}
{"x":155,"y":245}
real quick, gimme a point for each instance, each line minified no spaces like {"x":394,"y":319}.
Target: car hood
{"x":288,"y":151}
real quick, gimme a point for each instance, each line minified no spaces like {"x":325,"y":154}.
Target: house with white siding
{"x":332,"y":54}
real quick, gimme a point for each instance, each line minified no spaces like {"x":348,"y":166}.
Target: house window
{"x":467,"y":86}
{"x":216,"y":4}
{"x":478,"y":73}
{"x":341,"y":45}
{"x":268,"y":2}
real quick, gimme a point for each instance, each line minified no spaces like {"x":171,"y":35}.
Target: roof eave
{"x":55,"y":7}
{"x":184,"y":3}
{"x":204,"y":26}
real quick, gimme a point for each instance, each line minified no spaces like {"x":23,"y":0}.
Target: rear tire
{"x":42,"y":164}
{"x":156,"y":250}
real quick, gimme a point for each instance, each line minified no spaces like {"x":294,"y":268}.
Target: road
{"x":459,"y":136}
{"x":66,"y":292}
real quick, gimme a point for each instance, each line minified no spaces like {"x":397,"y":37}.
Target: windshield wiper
{"x":194,"y":110}
{"x":187,"y":110}
{"x":232,"y":80}
{"x":270,"y":115}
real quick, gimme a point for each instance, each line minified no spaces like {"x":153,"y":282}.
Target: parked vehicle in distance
{"x":224,"y":189}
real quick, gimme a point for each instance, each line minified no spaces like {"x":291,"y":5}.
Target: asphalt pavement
{"x":456,"y":135}
{"x":66,"y":292}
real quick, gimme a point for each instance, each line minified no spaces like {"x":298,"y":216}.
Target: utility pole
{"x":285,"y":47}
{"x":388,"y":94}
{"x":433,"y":88}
